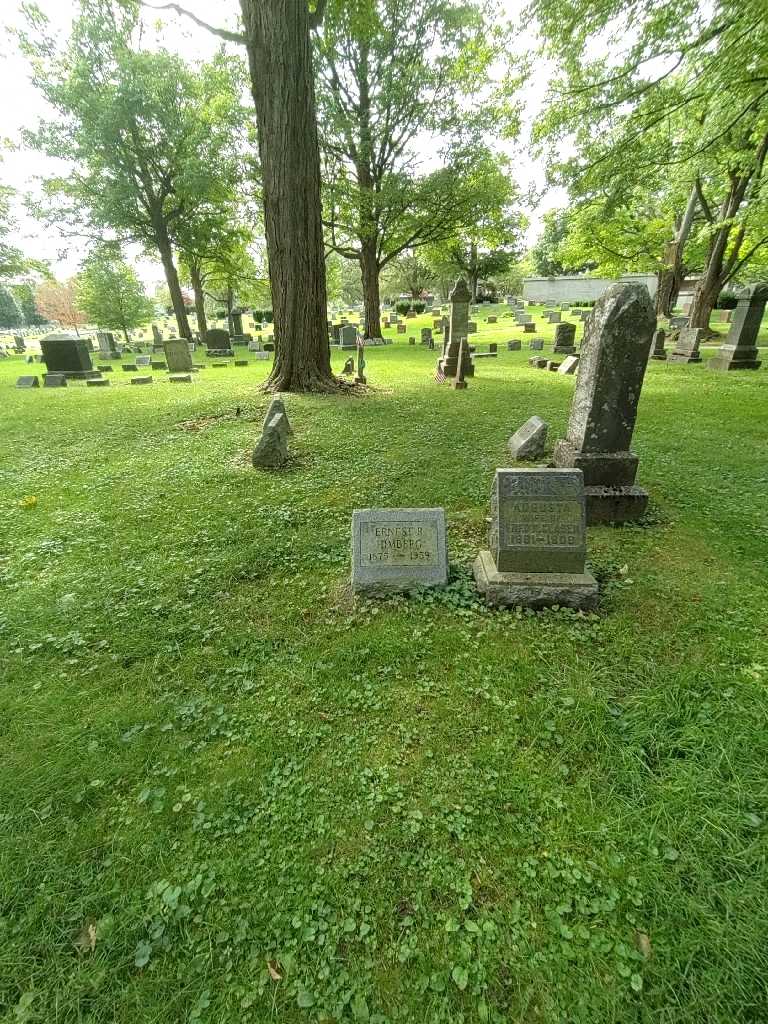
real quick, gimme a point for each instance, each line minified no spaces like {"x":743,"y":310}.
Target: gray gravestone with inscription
{"x":687,"y":345}
{"x":565,"y":337}
{"x":398,"y":549}
{"x":614,"y":355}
{"x":537,"y":541}
{"x":177,"y":355}
{"x":739,"y":350}
{"x":457,"y":329}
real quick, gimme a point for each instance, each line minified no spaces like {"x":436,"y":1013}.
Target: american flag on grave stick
{"x":439,"y":375}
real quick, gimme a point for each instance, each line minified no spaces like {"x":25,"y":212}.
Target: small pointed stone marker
{"x":271,"y":452}
{"x":528,"y":441}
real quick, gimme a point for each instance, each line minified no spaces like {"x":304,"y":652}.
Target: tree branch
{"x":223,"y":33}
{"x":316,"y":17}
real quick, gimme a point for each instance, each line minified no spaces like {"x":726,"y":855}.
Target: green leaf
{"x":143,"y":954}
{"x":305,"y":999}
{"x":460,"y":977}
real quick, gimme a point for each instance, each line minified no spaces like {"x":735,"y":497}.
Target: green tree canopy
{"x":10,"y":312}
{"x":110,"y":293}
{"x":389,"y":71}
{"x":152,"y":142}
{"x":674,"y":109}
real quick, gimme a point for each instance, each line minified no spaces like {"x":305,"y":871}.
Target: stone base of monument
{"x":615,"y":504}
{"x":565,"y":350}
{"x":533,"y":589}
{"x":449,"y":363}
{"x":684,"y":357}
{"x":659,"y":355}
{"x":731,"y":358}
{"x":609,"y":483}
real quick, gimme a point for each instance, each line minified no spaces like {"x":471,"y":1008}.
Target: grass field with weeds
{"x":231,"y":793}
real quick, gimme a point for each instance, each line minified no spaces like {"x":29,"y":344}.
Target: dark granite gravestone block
{"x":19,"y":344}
{"x":180,"y":378}
{"x":54,"y":380}
{"x":614,"y":355}
{"x":348,"y":336}
{"x":159,"y":364}
{"x":529,"y":328}
{"x":141,"y":380}
{"x":514,"y":346}
{"x":218,"y":342}
{"x":687,"y":345}
{"x":537,"y":541}
{"x":536,"y":345}
{"x":28,"y":382}
{"x":739,"y":350}
{"x":537,"y":362}
{"x":129,"y":367}
{"x":67,"y":354}
{"x":241,"y":362}
{"x":105,"y":368}
{"x":97,"y":382}
{"x":565,"y":338}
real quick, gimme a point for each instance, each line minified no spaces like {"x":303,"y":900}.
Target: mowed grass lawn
{"x":228,"y":792}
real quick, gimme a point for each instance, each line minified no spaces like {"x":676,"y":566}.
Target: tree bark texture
{"x":280,"y":59}
{"x":369,"y":271}
{"x":172,"y":280}
{"x":197,"y":288}
{"x":673,"y":274}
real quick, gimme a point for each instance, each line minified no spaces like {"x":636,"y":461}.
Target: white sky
{"x":22,"y":107}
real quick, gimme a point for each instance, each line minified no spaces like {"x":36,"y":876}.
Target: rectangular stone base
{"x":533,"y":589}
{"x":728,"y":362}
{"x":601,"y":469}
{"x":615,"y":504}
{"x":683,"y":357}
{"x":659,"y":355}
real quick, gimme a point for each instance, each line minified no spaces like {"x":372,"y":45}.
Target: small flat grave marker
{"x":28,"y":382}
{"x":398,"y":549}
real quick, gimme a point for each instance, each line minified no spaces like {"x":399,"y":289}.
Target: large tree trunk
{"x":280,"y":60}
{"x":673,"y":273}
{"x":369,"y":271}
{"x":197,"y":288}
{"x":230,"y":305}
{"x":473,"y":272}
{"x":172,"y":280}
